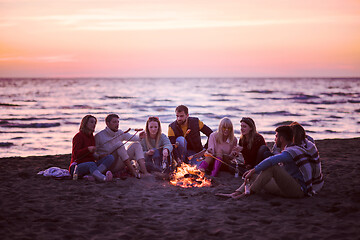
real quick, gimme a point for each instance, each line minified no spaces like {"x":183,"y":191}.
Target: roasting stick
{"x":210,"y":155}
{"x":136,"y":131}
{"x":81,"y":157}
{"x":115,"y":137}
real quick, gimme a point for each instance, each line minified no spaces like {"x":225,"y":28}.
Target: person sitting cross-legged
{"x":300,"y":174}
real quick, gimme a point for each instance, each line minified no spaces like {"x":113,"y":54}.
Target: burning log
{"x":187,"y":176}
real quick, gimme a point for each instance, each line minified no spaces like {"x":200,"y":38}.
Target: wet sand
{"x":37,"y":207}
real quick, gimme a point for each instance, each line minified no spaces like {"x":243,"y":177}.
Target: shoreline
{"x":66,"y":154}
{"x":37,"y":207}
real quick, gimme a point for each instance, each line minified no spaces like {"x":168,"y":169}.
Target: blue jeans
{"x":154,"y":163}
{"x":184,"y":153}
{"x":89,"y":167}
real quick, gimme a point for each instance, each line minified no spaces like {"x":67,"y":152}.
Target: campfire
{"x":187,"y":176}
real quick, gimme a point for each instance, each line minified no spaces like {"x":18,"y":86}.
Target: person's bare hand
{"x":247,"y":175}
{"x":150,"y":152}
{"x":92,"y":149}
{"x":142,"y":135}
{"x":165,"y":153}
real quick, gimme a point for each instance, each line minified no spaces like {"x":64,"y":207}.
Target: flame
{"x":187,"y":176}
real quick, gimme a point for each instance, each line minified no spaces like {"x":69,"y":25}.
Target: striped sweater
{"x":306,"y":157}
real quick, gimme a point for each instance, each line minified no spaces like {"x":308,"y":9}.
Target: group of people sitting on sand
{"x":291,"y":169}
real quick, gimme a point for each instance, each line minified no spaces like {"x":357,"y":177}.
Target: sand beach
{"x":37,"y":207}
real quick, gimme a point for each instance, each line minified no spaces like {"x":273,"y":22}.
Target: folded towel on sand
{"x":55,"y":172}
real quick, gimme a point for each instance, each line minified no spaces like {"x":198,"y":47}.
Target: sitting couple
{"x":183,"y":141}
{"x":106,"y":152}
{"x":295,"y":172}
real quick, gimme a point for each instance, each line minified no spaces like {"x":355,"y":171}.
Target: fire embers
{"x":187,"y":176}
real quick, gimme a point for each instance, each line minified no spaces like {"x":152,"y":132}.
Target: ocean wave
{"x":9,"y":105}
{"x":119,"y":97}
{"x":6,"y":144}
{"x":336,"y":117}
{"x":16,"y":138}
{"x":281,"y":113}
{"x":80,"y":106}
{"x":30,"y":125}
{"x":163,"y":100}
{"x":341,"y":94}
{"x":30,"y":119}
{"x":302,"y":97}
{"x":330,"y":131}
{"x":220,"y":100}
{"x":326,"y":102}
{"x":235,"y":109}
{"x":276,"y":98}
{"x":260,"y":91}
{"x":220,"y":95}
{"x":267,"y":132}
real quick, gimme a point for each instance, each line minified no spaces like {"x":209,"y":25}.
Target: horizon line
{"x":219,"y":77}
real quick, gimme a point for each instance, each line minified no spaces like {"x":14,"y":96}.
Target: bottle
{"x":75,"y":173}
{"x":247,"y":188}
{"x":236,"y":169}
{"x":164,"y":164}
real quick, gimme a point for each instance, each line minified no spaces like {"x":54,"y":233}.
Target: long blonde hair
{"x":251,"y":136}
{"x":83,"y":125}
{"x":158,"y":134}
{"x":225,"y":123}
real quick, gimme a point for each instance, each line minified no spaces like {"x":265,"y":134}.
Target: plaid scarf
{"x":306,"y":157}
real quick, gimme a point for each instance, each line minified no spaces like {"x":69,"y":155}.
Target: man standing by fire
{"x":185,"y":133}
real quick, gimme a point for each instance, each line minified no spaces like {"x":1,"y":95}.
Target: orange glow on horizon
{"x":179,"y":38}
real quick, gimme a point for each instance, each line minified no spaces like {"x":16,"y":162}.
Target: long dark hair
{"x":298,"y":132}
{"x":251,"y":136}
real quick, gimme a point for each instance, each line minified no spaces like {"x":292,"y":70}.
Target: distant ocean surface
{"x":41,"y":116}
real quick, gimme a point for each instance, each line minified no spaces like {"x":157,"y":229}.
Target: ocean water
{"x":41,"y":116}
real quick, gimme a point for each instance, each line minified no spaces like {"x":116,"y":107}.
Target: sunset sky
{"x":179,"y":38}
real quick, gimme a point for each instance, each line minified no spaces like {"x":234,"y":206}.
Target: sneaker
{"x":108,"y":176}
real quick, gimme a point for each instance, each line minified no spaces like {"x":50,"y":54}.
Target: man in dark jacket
{"x":186,"y":132}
